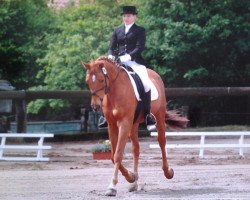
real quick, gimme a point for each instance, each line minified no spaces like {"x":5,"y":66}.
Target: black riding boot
{"x":149,"y":117}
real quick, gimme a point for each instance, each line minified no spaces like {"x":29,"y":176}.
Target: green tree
{"x":83,"y":33}
{"x":199,"y":43}
{"x":24,"y":25}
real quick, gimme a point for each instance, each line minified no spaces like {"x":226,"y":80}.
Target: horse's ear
{"x":86,"y":65}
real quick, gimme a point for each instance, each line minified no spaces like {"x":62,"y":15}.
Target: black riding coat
{"x":132,"y":43}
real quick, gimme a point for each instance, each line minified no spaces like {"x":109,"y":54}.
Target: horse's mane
{"x":111,"y":61}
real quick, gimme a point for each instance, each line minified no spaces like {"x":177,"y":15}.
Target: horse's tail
{"x":175,"y":120}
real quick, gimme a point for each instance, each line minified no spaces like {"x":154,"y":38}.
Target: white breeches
{"x":141,"y":70}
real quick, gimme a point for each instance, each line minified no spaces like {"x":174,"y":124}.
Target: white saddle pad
{"x":154,"y":92}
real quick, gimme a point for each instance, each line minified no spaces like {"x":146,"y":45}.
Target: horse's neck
{"x":120,"y":86}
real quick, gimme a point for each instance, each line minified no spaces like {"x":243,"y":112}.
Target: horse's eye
{"x":93,"y":78}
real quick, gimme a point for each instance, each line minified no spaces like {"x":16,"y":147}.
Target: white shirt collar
{"x":127,"y":27}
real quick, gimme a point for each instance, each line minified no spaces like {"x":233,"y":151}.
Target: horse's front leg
{"x":118,"y":142}
{"x":113,"y":137}
{"x":136,"y":153}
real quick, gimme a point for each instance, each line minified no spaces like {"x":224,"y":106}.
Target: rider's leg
{"x":148,"y":116}
{"x":141,"y":70}
{"x":102,"y":122}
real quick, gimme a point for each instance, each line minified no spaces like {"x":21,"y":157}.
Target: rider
{"x":127,"y":43}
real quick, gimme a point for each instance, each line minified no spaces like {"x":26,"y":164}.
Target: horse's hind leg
{"x":161,"y":127}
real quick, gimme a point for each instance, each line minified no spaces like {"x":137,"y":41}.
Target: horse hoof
{"x":131,"y":178}
{"x":111,"y":192}
{"x":133,"y":187}
{"x":169,"y":173}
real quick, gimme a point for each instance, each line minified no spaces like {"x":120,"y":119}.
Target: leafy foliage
{"x":24,"y":26}
{"x":199,"y":43}
{"x":189,"y":42}
{"x":82,"y":34}
{"x":78,"y":38}
{"x":104,"y":146}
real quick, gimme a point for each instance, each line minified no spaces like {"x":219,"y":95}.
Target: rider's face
{"x":128,"y":18}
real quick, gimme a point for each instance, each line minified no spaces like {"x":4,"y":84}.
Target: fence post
{"x":202,"y":142}
{"x":39,"y":150}
{"x":21,"y":116}
{"x":3,"y":140}
{"x":248,"y":109}
{"x":241,"y":142}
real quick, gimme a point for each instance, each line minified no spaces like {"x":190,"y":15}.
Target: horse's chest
{"x":115,"y":112}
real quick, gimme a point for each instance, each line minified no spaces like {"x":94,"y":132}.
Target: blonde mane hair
{"x":111,"y":61}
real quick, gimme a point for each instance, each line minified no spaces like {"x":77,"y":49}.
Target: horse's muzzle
{"x":95,"y":107}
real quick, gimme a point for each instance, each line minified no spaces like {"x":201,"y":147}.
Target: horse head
{"x":98,"y":78}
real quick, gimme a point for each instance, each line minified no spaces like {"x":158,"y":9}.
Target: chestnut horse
{"x":112,"y":90}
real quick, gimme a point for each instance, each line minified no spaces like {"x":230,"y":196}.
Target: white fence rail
{"x":21,"y":147}
{"x":202,"y":145}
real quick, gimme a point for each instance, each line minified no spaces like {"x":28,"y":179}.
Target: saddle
{"x":137,"y":80}
{"x":139,"y":89}
{"x":138,"y":86}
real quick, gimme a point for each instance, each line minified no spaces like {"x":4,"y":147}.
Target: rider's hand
{"x":111,"y":57}
{"x":125,"y":58}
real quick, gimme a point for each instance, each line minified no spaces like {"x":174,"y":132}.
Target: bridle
{"x":106,"y":86}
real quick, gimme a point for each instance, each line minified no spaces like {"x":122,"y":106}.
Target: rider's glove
{"x":111,"y":57}
{"x":125,"y":58}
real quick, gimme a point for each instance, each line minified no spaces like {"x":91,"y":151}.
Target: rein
{"x":106,"y":87}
